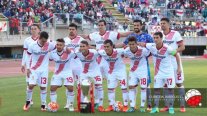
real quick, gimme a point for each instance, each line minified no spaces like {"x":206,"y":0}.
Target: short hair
{"x":102,"y":21}
{"x":108,"y":41}
{"x":137,"y":21}
{"x":159,"y":33}
{"x":73,"y":25}
{"x":165,"y":19}
{"x":84,"y":42}
{"x":44,"y":34}
{"x":60,"y":40}
{"x":36,"y":25}
{"x":132,"y":39}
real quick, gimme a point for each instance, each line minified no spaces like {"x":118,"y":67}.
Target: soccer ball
{"x":53,"y":107}
{"x":193,"y":97}
{"x":117,"y":107}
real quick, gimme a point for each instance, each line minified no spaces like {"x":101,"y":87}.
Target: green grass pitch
{"x":12,"y":95}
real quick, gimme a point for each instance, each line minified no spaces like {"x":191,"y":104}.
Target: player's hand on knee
{"x":23,"y":69}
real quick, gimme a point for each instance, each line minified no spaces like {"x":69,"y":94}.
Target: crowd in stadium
{"x":30,"y":11}
{"x":33,"y":11}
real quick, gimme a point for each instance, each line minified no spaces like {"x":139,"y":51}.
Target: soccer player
{"x":138,"y":72}
{"x":140,"y":37}
{"x":35,"y":30}
{"x":116,"y":73}
{"x":62,"y":56}
{"x":37,"y":71}
{"x":91,"y":69}
{"x":174,"y":40}
{"x":73,"y":42}
{"x":164,"y":72}
{"x":99,"y":38}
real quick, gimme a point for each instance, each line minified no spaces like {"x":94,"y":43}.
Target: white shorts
{"x":97,"y":78}
{"x":66,"y":78}
{"x":115,"y":77}
{"x":159,"y":81}
{"x":136,"y":79}
{"x":38,"y":77}
{"x":104,"y":68}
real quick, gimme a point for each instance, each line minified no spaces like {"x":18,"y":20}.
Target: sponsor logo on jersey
{"x":99,"y":42}
{"x":62,"y":61}
{"x":168,"y":42}
{"x":159,"y":56}
{"x":73,"y":45}
{"x":41,"y":53}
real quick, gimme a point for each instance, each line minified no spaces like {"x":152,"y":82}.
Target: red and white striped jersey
{"x":138,"y":60}
{"x":73,"y":44}
{"x":99,"y":39}
{"x":115,"y":61}
{"x":162,"y":59}
{"x":61,"y":59}
{"x":27,"y":42}
{"x":39,"y":55}
{"x":89,"y":62}
{"x":173,"y":39}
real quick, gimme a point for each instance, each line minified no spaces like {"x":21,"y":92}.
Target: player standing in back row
{"x":37,"y":71}
{"x":174,"y":40}
{"x":72,"y":41}
{"x":35,"y":30}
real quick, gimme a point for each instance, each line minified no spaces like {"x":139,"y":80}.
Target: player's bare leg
{"x":28,"y":97}
{"x":181,"y":91}
{"x":70,"y":97}
{"x":43,"y":95}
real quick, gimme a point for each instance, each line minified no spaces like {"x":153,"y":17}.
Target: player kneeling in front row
{"x":37,"y":70}
{"x":61,"y":56}
{"x":116,"y":73}
{"x":164,"y":72}
{"x":138,"y":72}
{"x":91,"y":69}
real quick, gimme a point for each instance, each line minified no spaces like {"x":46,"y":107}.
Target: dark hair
{"x":165,"y":19}
{"x":84,"y":42}
{"x":108,"y":41}
{"x":73,"y":25}
{"x":60,"y":40}
{"x":102,"y":21}
{"x":132,"y":39}
{"x":137,"y":21}
{"x":44,"y":34}
{"x":159,"y":33}
{"x":35,"y":25}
